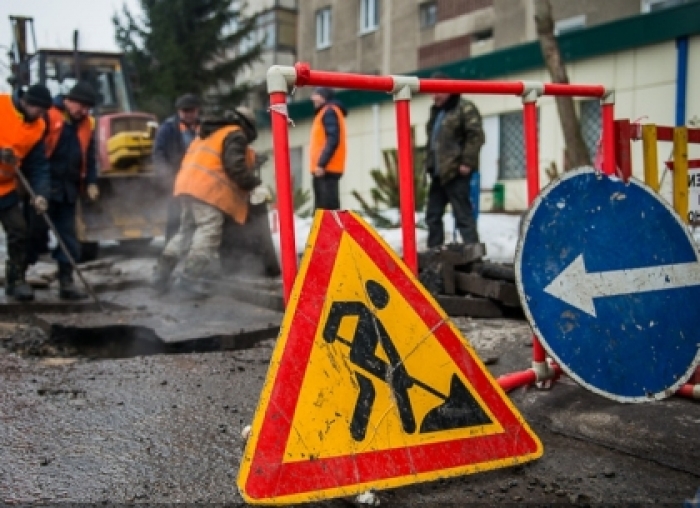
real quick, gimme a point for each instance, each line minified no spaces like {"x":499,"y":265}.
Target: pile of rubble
{"x":466,"y":284}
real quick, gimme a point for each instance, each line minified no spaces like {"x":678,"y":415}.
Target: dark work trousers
{"x":62,"y":214}
{"x":172,"y":226}
{"x":326,"y":194}
{"x":456,"y":193}
{"x":15,"y":226}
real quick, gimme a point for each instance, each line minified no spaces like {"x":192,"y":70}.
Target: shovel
{"x":51,"y":225}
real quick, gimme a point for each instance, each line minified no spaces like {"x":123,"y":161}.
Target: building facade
{"x":627,"y":45}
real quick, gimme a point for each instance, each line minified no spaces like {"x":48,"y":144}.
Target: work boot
{"x":15,"y":285}
{"x":163,"y":270}
{"x":67,"y":288}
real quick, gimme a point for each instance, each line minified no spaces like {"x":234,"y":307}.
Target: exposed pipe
{"x":681,"y":79}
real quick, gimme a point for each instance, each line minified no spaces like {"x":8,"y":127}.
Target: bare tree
{"x":576,"y":149}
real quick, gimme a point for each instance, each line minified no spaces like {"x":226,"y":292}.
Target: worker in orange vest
{"x":327,"y":148}
{"x":21,"y":149}
{"x":215,"y":180}
{"x":70,"y":147}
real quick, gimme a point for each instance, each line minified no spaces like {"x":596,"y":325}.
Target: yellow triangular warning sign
{"x":370,"y":384}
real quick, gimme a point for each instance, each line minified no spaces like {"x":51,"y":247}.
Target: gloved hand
{"x":40,"y":204}
{"x":93,"y":192}
{"x":260,"y":195}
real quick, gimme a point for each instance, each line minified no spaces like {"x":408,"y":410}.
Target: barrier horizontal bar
{"x":455,"y":86}
{"x":308,"y":77}
{"x":569,"y":90}
{"x":305,"y":76}
{"x":665,"y":133}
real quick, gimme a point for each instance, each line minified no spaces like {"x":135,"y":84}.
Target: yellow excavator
{"x":132,"y":206}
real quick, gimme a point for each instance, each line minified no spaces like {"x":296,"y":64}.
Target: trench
{"x":115,"y":331}
{"x":124,"y":341}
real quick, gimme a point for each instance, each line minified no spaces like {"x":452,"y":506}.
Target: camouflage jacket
{"x":459,"y":139}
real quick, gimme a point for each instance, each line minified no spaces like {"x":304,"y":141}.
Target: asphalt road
{"x":166,"y":428}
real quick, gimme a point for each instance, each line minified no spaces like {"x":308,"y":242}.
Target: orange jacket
{"x":336,"y":164}
{"x":56,"y":119}
{"x":17,"y":135}
{"x":202,"y":176}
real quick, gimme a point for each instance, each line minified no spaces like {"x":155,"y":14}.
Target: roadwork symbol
{"x":370,"y":385}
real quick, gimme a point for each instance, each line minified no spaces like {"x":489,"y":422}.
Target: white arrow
{"x":578,"y":288}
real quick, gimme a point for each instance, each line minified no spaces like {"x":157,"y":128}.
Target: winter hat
{"x":324,"y":92}
{"x":84,"y":93}
{"x":187,"y":101}
{"x":247,"y":115}
{"x":247,"y":118}
{"x":39,"y":96}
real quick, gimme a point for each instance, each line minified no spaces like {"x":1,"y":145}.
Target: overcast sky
{"x":54,"y":22}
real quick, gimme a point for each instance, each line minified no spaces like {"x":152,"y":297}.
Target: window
{"x":483,"y":35}
{"x":323,"y":28}
{"x":657,"y":5}
{"x":511,"y":149}
{"x":591,"y":124}
{"x":428,"y":14}
{"x":570,"y":24}
{"x":267,"y":29}
{"x":287,"y":4}
{"x":369,"y":15}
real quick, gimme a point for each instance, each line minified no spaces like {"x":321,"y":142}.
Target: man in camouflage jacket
{"x":455,"y":136}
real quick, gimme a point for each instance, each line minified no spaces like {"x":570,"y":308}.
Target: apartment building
{"x":277,"y":32}
{"x":626,"y":45}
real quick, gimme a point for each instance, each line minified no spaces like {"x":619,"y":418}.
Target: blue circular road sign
{"x":609,"y":278}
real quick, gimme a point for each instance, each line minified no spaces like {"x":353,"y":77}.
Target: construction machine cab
{"x":60,"y":70}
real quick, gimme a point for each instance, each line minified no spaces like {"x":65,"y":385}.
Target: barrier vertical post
{"x":531,"y":94}
{"x":623,"y":140}
{"x":532,"y":160}
{"x":680,"y":172}
{"x":278,"y":81}
{"x":403,"y":88}
{"x":608,"y":114}
{"x":651,"y":157}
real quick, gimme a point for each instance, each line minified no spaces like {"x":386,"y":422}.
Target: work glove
{"x":260,"y":195}
{"x":93,"y":192}
{"x":40,"y":204}
{"x":7,"y":156}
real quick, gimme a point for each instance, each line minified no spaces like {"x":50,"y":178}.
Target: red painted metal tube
{"x":285,"y":207}
{"x":574,"y":90}
{"x":517,"y":379}
{"x":623,"y":141}
{"x":455,"y":86}
{"x":406,"y":191}
{"x":539,"y":355}
{"x":308,"y":77}
{"x":666,"y":134}
{"x":532,"y":162}
{"x":609,"y":162}
{"x":531,"y":150}
{"x":689,"y":391}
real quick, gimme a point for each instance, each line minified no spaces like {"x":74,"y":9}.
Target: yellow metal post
{"x":651,"y":158}
{"x":680,"y":172}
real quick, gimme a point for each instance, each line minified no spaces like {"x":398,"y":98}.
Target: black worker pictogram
{"x":459,"y":408}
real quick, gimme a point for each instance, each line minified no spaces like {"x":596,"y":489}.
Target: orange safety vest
{"x":202,"y":175}
{"x":318,"y":140}
{"x":17,"y":135}
{"x":56,"y":120}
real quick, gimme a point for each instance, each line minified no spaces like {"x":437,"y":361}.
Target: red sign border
{"x":270,"y":478}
